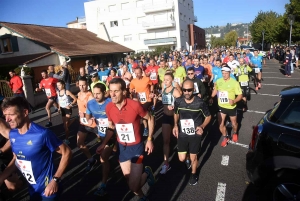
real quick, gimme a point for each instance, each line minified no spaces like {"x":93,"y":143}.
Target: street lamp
{"x":263,"y":33}
{"x":291,"y":21}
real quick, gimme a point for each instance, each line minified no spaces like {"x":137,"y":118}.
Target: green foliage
{"x":270,"y":23}
{"x":27,"y":70}
{"x":4,"y":69}
{"x":230,"y":38}
{"x":155,"y":52}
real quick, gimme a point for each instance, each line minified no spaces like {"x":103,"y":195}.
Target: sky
{"x":60,"y":12}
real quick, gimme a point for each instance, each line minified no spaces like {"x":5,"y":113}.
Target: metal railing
{"x":81,"y":20}
{"x":162,"y":5}
{"x":159,"y":24}
{"x":5,"y":89}
{"x":159,"y":40}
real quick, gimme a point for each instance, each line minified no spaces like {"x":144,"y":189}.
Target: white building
{"x":141,"y":24}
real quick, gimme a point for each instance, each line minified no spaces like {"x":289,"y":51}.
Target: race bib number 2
{"x":125,"y":133}
{"x":26,"y":169}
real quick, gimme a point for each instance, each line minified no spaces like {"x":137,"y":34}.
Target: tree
{"x":230,"y":38}
{"x":292,"y":8}
{"x":269,"y":22}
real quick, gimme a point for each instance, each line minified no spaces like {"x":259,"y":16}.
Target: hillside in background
{"x":240,"y":28}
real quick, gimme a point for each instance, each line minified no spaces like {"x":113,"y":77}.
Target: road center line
{"x":278,"y":85}
{"x":221,"y":191}
{"x":282,"y":78}
{"x":225,"y":160}
{"x":239,"y":144}
{"x":265,"y":94}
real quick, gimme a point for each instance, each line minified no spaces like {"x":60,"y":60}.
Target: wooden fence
{"x":5,"y":89}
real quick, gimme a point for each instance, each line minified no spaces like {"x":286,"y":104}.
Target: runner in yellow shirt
{"x":229,"y":93}
{"x":242,"y":72}
{"x":179,"y":73}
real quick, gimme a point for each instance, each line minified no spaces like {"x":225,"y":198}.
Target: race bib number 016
{"x":125,"y":133}
{"x":223,"y":97}
{"x":187,"y":126}
{"x":102,"y":124}
{"x":26,"y":169}
{"x":48,"y":92}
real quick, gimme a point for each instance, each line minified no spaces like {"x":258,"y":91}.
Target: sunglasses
{"x":190,"y":73}
{"x":187,"y":90}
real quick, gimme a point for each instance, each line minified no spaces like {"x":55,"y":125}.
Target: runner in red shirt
{"x":49,"y":85}
{"x":152,"y":72}
{"x":15,"y":84}
{"x":124,"y":115}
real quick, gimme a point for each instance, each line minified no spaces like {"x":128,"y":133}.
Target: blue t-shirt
{"x":34,"y":151}
{"x":256,"y":61}
{"x":216,"y":71}
{"x":98,"y":112}
{"x":187,"y":67}
{"x":199,"y":72}
{"x":249,"y":55}
{"x":103,"y":75}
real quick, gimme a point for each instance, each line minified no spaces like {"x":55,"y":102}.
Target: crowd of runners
{"x":116,"y":103}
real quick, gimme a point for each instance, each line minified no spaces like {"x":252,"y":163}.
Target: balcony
{"x":156,"y":7}
{"x":160,"y":41}
{"x":195,"y":18}
{"x":81,"y":20}
{"x":158,"y":25}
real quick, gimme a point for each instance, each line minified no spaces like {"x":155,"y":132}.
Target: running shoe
{"x":101,"y":190}
{"x":150,"y":176}
{"x":224,"y":141}
{"x":146,"y":132}
{"x":188,"y":164}
{"x":48,"y":124}
{"x":193,"y":179}
{"x":90,"y":165}
{"x":234,"y":137}
{"x":165,"y":168}
{"x":66,"y":141}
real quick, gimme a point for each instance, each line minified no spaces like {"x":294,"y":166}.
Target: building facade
{"x":142,"y":24}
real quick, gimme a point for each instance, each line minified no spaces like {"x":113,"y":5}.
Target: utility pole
{"x":263,"y":33}
{"x":291,"y":21}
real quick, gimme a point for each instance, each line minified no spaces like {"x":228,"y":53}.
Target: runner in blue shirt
{"x":103,"y":74}
{"x":199,"y":70}
{"x":95,"y":111}
{"x":255,"y":63}
{"x":33,"y":147}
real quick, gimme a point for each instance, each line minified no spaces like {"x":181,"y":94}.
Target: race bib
{"x":223,"y":97}
{"x":256,"y":70}
{"x":196,"y":89}
{"x":104,"y":78}
{"x":187,"y":126}
{"x":48,"y":92}
{"x":167,"y":99}
{"x":125,"y":133}
{"x":153,"y":76}
{"x":243,"y":84}
{"x":142,"y":97}
{"x":26,"y":169}
{"x":102,"y":124}
{"x":177,"y":79}
{"x":84,"y":121}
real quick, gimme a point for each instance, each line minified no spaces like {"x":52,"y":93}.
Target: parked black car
{"x":273,"y":159}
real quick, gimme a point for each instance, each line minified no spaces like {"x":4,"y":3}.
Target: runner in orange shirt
{"x":152,"y":73}
{"x":141,"y":89}
{"x":49,"y":85}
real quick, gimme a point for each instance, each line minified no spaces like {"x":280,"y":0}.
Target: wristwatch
{"x":57,"y":179}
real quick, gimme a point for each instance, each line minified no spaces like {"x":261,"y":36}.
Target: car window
{"x":290,"y":117}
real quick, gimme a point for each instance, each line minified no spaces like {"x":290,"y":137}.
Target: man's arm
{"x":110,"y":131}
{"x":149,"y":145}
{"x":6,"y":147}
{"x":4,"y":129}
{"x":66,"y":156}
{"x":11,"y":168}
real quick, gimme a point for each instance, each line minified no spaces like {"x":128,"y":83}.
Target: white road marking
{"x":265,"y":94}
{"x":221,"y":191}
{"x":253,"y":111}
{"x":282,"y":78}
{"x":225,"y":160}
{"x":270,"y":72}
{"x":239,"y":144}
{"x":278,"y":85}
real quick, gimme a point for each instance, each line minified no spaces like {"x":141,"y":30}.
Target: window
{"x":115,"y":38}
{"x":125,"y":6}
{"x":180,"y":1}
{"x":126,"y":22}
{"x":184,"y":18}
{"x":186,"y":34}
{"x":188,"y":6}
{"x":189,"y":20}
{"x":184,"y":3}
{"x":291,"y":115}
{"x":139,"y":3}
{"x":112,"y":8}
{"x":140,"y":20}
{"x":127,"y":38}
{"x":182,"y":33}
{"x":114,"y":24}
{"x":181,"y":16}
{"x":9,"y":44}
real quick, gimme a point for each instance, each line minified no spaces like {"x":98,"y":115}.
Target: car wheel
{"x":283,"y":188}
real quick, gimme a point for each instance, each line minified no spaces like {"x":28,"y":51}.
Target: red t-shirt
{"x":16,"y":83}
{"x":153,"y":73}
{"x":225,"y":60}
{"x":49,"y":85}
{"x":110,"y":78}
{"x":129,"y":116}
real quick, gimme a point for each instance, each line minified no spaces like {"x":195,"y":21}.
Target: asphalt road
{"x":222,"y":173}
